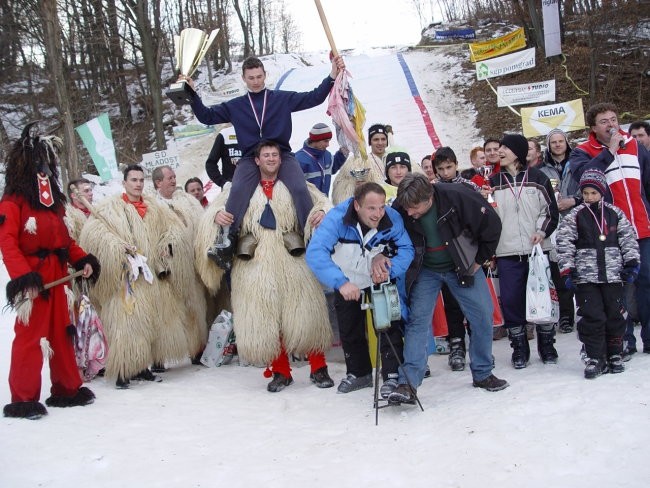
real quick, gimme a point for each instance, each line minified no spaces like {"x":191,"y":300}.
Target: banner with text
{"x":98,"y":139}
{"x":166,"y":157}
{"x":478,"y":51}
{"x":541,"y":91}
{"x":567,"y":116}
{"x":551,"y":18}
{"x":510,"y":63}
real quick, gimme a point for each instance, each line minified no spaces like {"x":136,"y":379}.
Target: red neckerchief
{"x":140,"y":205}
{"x":83,"y":209}
{"x":267,"y":188}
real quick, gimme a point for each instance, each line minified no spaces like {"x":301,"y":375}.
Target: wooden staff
{"x":326,"y":26}
{"x":21,"y":308}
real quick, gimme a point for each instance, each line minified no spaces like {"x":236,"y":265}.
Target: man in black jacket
{"x":454,"y":231}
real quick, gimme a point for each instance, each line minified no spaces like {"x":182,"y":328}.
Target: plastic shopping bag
{"x":218,"y":340}
{"x":542,"y":303}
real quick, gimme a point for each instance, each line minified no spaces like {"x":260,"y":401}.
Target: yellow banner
{"x":479,"y":51}
{"x":567,"y":116}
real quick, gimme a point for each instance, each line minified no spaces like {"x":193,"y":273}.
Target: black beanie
{"x":377,"y":129}
{"x":397,"y":158}
{"x":518,"y":144}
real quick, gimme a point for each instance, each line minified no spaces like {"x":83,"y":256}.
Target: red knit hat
{"x":320,"y":132}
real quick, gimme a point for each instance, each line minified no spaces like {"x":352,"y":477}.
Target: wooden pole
{"x":326,"y":26}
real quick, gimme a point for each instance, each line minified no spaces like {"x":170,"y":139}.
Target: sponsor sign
{"x":551,"y":18}
{"x":168,"y":157}
{"x":541,"y":91}
{"x":512,"y":41}
{"x":456,"y":34}
{"x":98,"y":139}
{"x":510,"y":63}
{"x":567,"y":116}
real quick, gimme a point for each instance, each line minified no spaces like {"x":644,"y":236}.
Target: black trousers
{"x":565,"y":296}
{"x":352,"y":329}
{"x":601,"y":322}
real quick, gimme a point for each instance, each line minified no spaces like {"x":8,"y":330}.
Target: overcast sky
{"x":357,"y":23}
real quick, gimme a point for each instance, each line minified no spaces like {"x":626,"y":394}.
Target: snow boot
{"x":279,"y":382}
{"x":352,"y":383}
{"x":25,"y":410}
{"x":321,"y":378}
{"x":83,"y":397}
{"x":389,"y":386}
{"x":520,"y":347}
{"x":595,"y":367}
{"x":565,"y":325}
{"x":545,"y":341}
{"x":615,"y":363}
{"x":402,"y":394}
{"x":456,"y":358}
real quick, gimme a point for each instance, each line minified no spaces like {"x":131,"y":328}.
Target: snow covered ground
{"x":219,"y":427}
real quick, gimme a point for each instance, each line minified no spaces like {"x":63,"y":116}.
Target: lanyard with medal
{"x":602,"y":227}
{"x":517,"y":194}
{"x":260,"y":121}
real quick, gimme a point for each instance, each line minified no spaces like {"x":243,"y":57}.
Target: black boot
{"x":545,"y":341}
{"x":223,"y":256}
{"x":25,"y":410}
{"x":595,"y":367}
{"x":83,"y":397}
{"x":456,"y":358}
{"x":520,"y":347}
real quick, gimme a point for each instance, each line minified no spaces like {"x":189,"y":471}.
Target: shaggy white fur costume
{"x":190,"y":294}
{"x":74,"y":220}
{"x":274,"y":295}
{"x":150,"y":329}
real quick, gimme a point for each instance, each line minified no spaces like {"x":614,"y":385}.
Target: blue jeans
{"x":476,"y":304}
{"x":642,"y":298}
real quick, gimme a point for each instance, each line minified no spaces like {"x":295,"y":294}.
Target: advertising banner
{"x":496,"y":47}
{"x":567,"y":116}
{"x":551,"y":18}
{"x":510,"y":63}
{"x":540,"y":91}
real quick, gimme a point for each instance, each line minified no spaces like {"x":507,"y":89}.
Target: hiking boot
{"x":279,"y":382}
{"x":456,"y":358}
{"x":594,"y":368}
{"x":520,"y":347}
{"x":491,"y":383}
{"x":389,"y":386}
{"x":147,"y":375}
{"x":628,"y":352}
{"x":122,"y":384}
{"x":352,"y":383}
{"x":321,"y":378}
{"x":402,"y":394}
{"x":565,"y":325}
{"x":545,"y":347}
{"x":615,"y":364}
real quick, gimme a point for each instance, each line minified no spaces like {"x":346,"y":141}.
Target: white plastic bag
{"x":542,"y":303}
{"x":220,"y":331}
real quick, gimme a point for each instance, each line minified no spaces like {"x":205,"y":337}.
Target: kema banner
{"x":567,"y":116}
{"x":478,"y":51}
{"x":510,"y":63}
{"x":540,"y":91}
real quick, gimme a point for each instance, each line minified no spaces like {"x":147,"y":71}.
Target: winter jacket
{"x":338,"y":252}
{"x":627,"y":173}
{"x":468,"y":225}
{"x":550,"y":163}
{"x":536,"y":211}
{"x":319,"y":166}
{"x":276,"y":123}
{"x":226,"y":150}
{"x":579,"y":247}
{"x":459,"y":178}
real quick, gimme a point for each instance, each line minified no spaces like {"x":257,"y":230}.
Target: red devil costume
{"x":37,"y":248}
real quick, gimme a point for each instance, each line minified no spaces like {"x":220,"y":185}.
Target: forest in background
{"x":67,"y":61}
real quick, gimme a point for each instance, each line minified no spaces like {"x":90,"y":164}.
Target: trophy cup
{"x":190,"y":48}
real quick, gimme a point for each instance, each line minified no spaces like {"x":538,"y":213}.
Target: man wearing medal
{"x":262,"y":114}
{"x":526,"y":205}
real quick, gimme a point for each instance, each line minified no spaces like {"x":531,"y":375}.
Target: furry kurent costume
{"x":142,"y":321}
{"x":74,"y":220}
{"x":37,"y":248}
{"x":184,"y":212}
{"x":275,"y":297}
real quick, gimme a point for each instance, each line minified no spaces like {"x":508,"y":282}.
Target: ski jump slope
{"x":387,"y":90}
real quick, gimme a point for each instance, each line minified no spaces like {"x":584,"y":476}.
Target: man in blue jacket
{"x":316,"y":161}
{"x":362,"y":242}
{"x":262,"y":114}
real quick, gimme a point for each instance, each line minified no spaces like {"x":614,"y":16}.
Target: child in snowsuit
{"x":597,"y":252}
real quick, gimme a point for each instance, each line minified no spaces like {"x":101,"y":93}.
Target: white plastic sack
{"x":542,"y":303}
{"x":218,"y":340}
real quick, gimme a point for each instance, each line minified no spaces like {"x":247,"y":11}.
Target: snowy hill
{"x":219,"y":427}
